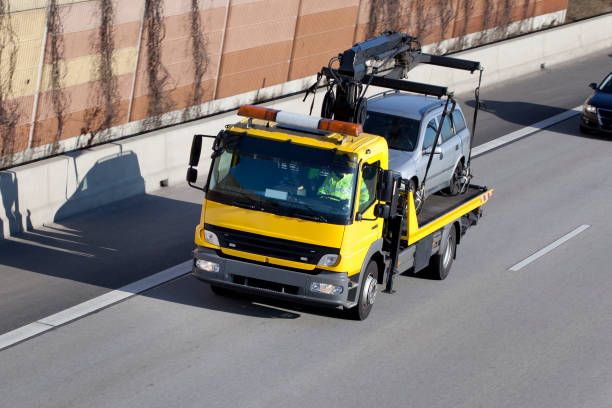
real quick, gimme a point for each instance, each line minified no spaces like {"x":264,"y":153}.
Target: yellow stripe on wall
{"x":81,"y":70}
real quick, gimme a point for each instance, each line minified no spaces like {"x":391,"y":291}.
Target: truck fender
{"x":374,"y":251}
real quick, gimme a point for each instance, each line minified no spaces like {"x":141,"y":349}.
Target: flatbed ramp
{"x":438,"y":205}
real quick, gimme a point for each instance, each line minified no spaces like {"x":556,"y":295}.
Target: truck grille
{"x":605,"y":115}
{"x":268,"y":246}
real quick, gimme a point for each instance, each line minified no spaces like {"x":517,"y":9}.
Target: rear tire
{"x":456,"y":181}
{"x":367,"y":293}
{"x":440,"y":264}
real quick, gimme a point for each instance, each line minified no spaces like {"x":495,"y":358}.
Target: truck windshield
{"x":400,"y":133}
{"x":284,"y":178}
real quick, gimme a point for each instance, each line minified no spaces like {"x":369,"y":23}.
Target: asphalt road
{"x":484,"y":337}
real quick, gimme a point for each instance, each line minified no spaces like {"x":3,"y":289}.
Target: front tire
{"x":367,"y":293}
{"x":417,"y":195}
{"x":441,"y":262}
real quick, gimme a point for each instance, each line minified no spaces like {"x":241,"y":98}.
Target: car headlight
{"x":589,"y":108}
{"x":211,"y":238}
{"x":329,"y":260}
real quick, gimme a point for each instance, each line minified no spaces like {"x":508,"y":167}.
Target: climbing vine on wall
{"x":384,"y":15}
{"x":200,"y":62}
{"x":157,"y":74}
{"x":105,"y":103}
{"x":8,"y":59}
{"x":55,"y":45}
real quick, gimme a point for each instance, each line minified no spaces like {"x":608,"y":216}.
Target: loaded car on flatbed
{"x":308,"y":209}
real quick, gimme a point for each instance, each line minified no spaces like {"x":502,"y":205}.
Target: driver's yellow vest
{"x":341,"y":188}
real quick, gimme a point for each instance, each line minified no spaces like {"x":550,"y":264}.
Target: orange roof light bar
{"x":258,"y":112}
{"x":338,"y":126}
{"x":300,"y":120}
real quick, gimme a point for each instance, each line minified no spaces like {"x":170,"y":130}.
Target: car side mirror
{"x":437,"y":151}
{"x":196,"y":150}
{"x":593,"y":85}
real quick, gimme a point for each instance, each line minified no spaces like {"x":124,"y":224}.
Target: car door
{"x":461,"y":131}
{"x":451,"y":151}
{"x":434,"y":177}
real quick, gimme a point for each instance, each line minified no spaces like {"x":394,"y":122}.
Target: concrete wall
{"x":49,"y":190}
{"x":148,"y":67}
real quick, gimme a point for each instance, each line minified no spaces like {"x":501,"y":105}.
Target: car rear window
{"x":458,"y":121}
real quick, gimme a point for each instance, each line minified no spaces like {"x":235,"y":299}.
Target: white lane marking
{"x":518,"y":134}
{"x":22,"y":333}
{"x":100,"y":302}
{"x":93,"y":305}
{"x":549,"y":248}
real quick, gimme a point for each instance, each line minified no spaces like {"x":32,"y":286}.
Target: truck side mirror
{"x":385,"y":186}
{"x":196,"y":150}
{"x":192,"y":175}
{"x":382,"y":211}
{"x":593,"y":85}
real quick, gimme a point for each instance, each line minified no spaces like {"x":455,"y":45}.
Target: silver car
{"x":409,"y":123}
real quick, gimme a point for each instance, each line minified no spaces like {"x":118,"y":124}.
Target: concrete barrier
{"x":52,"y":189}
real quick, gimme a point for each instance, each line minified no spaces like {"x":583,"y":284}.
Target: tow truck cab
{"x":292,"y":208}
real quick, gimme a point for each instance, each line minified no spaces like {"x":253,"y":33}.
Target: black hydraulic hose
{"x":435,"y":143}
{"x":477,"y":99}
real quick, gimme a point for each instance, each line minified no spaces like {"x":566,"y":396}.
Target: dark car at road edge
{"x":597,"y":109}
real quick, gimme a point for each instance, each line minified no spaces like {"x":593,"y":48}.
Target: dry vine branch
{"x":9,"y":115}
{"x":200,"y":62}
{"x":55,"y":43}
{"x":157,"y":74}
{"x":105,"y":91}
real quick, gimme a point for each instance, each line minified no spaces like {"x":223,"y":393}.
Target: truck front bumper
{"x":271,"y":281}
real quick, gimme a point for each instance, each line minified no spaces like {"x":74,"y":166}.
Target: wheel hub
{"x":370,"y":290}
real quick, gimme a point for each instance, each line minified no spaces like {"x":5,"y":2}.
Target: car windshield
{"x":606,"y":85}
{"x":400,"y":133}
{"x":284,"y":178}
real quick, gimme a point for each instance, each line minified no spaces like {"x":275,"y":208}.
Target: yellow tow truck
{"x":305,"y":208}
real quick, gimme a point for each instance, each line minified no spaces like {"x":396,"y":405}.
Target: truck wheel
{"x":456,"y":181}
{"x":441,"y":262}
{"x":367,"y":293}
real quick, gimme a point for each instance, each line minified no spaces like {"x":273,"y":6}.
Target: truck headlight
{"x":329,"y":260}
{"x":211,"y":238}
{"x":590,"y":108}
{"x":207,"y":265}
{"x":326,"y":288}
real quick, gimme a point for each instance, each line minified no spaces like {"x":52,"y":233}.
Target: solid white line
{"x":22,"y":333}
{"x":549,"y":248}
{"x":93,"y":305}
{"x":518,"y":134}
{"x":112,"y":297}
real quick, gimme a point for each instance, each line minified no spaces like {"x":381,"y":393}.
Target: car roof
{"x":403,"y":104}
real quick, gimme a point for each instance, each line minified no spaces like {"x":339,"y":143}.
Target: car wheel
{"x":457,"y":180}
{"x":417,"y":194}
{"x":441,"y":262}
{"x":367,"y":293}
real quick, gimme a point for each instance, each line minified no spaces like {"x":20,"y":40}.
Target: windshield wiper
{"x":312,"y":214}
{"x":250,"y":203}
